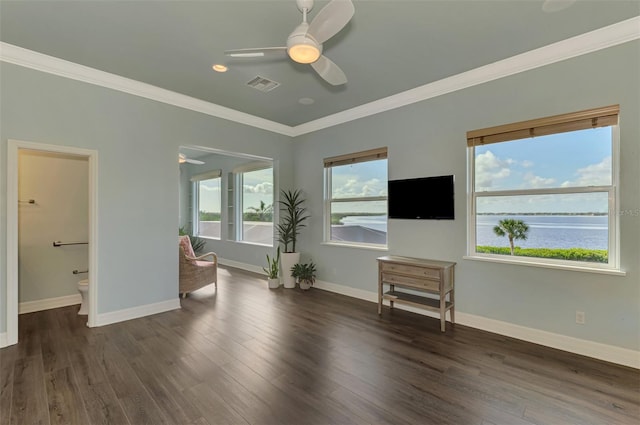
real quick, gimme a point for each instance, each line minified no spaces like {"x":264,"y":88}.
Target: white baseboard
{"x":609,"y":353}
{"x":49,"y":303}
{"x":3,"y":340}
{"x":137,"y":312}
{"x":239,"y":265}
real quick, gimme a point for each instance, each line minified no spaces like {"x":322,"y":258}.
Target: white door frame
{"x":12,"y":229}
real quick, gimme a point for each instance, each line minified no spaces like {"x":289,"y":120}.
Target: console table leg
{"x":393,"y":288}
{"x":443,"y":313}
{"x":380,"y":288}
{"x":453,"y":306}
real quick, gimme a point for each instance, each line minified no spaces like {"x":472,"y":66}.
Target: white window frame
{"x":195,"y":190}
{"x":238,"y":218}
{"x":365,"y":156}
{"x":613,"y":264}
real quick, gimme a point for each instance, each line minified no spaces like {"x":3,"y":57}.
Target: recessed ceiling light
{"x":219,"y":68}
{"x":551,"y":6}
{"x":306,"y":101}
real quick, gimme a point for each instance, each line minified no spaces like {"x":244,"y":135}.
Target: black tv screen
{"x":426,"y":198}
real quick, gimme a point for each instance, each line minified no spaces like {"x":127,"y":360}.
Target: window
{"x":544,"y":191}
{"x":207,"y":196}
{"x":356,"y":198}
{"x":256,"y":203}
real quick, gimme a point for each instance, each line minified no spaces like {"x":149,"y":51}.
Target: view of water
{"x":549,"y":231}
{"x":376,"y":222}
{"x":545,"y":231}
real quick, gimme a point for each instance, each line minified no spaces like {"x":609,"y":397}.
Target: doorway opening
{"x":228,"y":197}
{"x":14,"y":201}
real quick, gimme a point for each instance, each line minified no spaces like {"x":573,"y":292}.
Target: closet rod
{"x":59,"y":243}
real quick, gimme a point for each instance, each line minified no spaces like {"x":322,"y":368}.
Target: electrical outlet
{"x":580,"y":317}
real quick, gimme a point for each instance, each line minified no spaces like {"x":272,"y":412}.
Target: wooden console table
{"x":429,"y":276}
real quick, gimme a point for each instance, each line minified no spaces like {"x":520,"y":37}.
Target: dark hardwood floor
{"x":245,"y":354}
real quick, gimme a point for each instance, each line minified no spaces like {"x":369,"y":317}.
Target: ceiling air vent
{"x":262,"y":84}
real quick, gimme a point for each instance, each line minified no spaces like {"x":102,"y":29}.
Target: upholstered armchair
{"x":195,"y":272}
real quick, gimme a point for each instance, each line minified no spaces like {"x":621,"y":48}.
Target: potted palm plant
{"x":293,"y":217}
{"x":305,"y":274}
{"x":273,"y":270}
{"x":196,"y":243}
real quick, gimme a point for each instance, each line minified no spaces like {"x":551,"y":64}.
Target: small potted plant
{"x":305,"y":274}
{"x":273,"y":270}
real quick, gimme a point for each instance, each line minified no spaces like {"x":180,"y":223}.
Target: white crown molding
{"x":60,"y":67}
{"x":590,"y":42}
{"x":612,"y":35}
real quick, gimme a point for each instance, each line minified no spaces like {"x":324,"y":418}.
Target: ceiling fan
{"x":304,"y":44}
{"x":182,"y":158}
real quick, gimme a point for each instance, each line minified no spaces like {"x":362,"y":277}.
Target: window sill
{"x":519,"y":262}
{"x":384,"y":248}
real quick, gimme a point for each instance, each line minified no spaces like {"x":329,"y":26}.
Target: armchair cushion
{"x":185,"y":243}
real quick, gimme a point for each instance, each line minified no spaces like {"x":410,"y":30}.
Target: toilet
{"x":83,"y":288}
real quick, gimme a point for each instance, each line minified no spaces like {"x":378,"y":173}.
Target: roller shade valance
{"x":352,"y":158}
{"x":213,"y":174}
{"x":590,"y":118}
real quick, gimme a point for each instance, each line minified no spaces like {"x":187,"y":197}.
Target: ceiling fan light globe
{"x":304,"y":53}
{"x":301,"y":47}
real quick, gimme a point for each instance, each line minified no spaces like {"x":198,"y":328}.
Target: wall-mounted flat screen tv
{"x":425,"y":198}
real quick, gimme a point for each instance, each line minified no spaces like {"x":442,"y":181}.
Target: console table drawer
{"x":424,"y":284}
{"x":408,"y":270}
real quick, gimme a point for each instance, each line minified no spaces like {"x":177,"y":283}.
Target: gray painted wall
{"x":137,"y":142}
{"x":184,"y":197}
{"x":429,"y":138}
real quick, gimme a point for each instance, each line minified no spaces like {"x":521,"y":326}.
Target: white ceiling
{"x":389,"y":46}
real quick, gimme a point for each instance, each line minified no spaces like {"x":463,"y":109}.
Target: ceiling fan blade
{"x":257,"y":53}
{"x":331,"y":19}
{"x":328,"y":70}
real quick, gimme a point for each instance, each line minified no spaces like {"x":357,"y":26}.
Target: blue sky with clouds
{"x":363,"y":179}
{"x":565,"y":160}
{"x":258,"y":186}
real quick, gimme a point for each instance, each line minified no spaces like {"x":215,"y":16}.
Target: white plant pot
{"x":304,"y":285}
{"x":274,"y":283}
{"x":287,"y":260}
